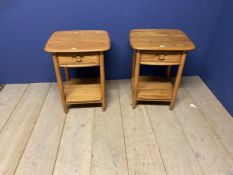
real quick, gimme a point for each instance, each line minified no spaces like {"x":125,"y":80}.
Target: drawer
{"x":160,"y":57}
{"x":78,"y":59}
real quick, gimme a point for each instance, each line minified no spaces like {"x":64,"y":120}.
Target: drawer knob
{"x":161,"y":57}
{"x":78,"y":59}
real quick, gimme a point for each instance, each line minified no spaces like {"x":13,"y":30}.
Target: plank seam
{"x":32,"y":129}
{"x":186,"y":137}
{"x":155,"y":136}
{"x":93,"y":130}
{"x":55,"y":161}
{"x":58,"y":148}
{"x":122,"y":123}
{"x":14,"y":108}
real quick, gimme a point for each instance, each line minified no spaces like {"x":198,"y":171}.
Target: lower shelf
{"x":80,"y":91}
{"x":154,"y":89}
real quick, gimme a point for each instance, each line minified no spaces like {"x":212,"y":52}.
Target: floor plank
{"x":208,"y":149}
{"x":9,"y":97}
{"x":15,"y":134}
{"x":40,"y":154}
{"x":176,"y":151}
{"x":196,"y":136}
{"x":219,"y":119}
{"x":74,"y":156}
{"x":108,"y":144}
{"x":141,"y":147}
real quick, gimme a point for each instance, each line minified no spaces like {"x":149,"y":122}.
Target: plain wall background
{"x":25,"y":26}
{"x":217,"y":71}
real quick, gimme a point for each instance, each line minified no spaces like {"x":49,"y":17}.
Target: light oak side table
{"x":76,"y":49}
{"x":157,"y":47}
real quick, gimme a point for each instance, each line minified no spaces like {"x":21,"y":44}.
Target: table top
{"x":160,"y":39}
{"x":78,"y":41}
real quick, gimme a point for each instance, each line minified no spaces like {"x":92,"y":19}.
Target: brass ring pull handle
{"x":162,"y":57}
{"x":78,"y":59}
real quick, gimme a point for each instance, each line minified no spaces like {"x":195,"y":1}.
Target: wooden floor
{"x":37,"y":138}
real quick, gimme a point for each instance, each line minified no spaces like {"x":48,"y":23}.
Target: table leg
{"x":102,"y":81}
{"x":59,"y":82}
{"x":177,"y":81}
{"x":168,"y":71}
{"x":67,"y":73}
{"x":136,"y":78}
{"x":133,"y":69}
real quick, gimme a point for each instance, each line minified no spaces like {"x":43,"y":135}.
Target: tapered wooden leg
{"x":133,"y":68}
{"x":102,"y":81}
{"x":67,"y":73}
{"x":136,"y":78}
{"x":59,"y":82}
{"x":168,"y":71}
{"x":177,"y":81}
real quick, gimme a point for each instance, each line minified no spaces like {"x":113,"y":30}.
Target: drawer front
{"x":78,"y":59}
{"x":160,"y":58}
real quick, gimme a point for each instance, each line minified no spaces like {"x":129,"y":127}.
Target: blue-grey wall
{"x":217,"y":71}
{"x":25,"y":26}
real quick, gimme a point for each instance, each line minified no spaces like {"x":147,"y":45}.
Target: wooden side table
{"x":158,"y":48}
{"x":76,"y":49}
